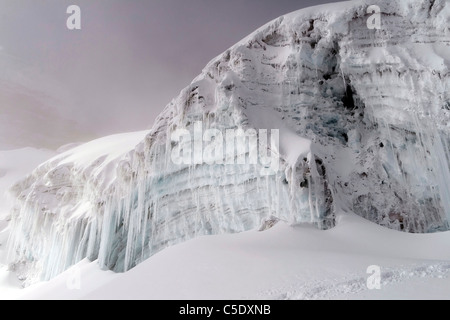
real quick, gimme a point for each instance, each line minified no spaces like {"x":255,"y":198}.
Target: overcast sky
{"x":131,"y":56}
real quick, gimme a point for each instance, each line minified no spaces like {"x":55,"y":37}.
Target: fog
{"x":129,"y":59}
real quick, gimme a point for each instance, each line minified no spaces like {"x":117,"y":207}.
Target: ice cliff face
{"x":364,"y":126}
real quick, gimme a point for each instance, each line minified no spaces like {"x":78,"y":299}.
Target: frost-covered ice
{"x":14,"y":165}
{"x":364,"y":126}
{"x":67,"y":190}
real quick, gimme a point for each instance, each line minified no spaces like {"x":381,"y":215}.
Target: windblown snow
{"x":364,"y":127}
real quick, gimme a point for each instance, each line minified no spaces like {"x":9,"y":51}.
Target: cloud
{"x":130,"y":58}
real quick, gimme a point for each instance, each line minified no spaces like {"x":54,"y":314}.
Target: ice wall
{"x":364,"y":126}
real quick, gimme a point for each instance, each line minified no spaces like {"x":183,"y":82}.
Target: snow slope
{"x":364,"y":127}
{"x":281,"y":263}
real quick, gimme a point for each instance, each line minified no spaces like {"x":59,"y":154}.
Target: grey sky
{"x":131,"y":56}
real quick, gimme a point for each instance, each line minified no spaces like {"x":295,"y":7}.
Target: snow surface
{"x":281,"y":263}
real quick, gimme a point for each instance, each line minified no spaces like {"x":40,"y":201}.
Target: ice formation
{"x":364,"y":126}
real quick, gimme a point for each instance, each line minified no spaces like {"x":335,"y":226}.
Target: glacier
{"x":363,"y":118}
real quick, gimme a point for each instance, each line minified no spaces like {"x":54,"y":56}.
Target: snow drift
{"x":364,"y":126}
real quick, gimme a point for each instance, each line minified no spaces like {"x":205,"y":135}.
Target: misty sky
{"x":131,"y":56}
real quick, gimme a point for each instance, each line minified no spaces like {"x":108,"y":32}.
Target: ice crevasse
{"x":364,"y":126}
